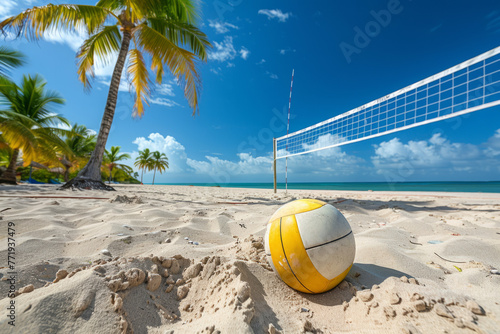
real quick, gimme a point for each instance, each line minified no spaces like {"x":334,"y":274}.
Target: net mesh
{"x":470,"y":86}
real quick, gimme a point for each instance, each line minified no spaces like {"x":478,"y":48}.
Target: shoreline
{"x":473,"y":186}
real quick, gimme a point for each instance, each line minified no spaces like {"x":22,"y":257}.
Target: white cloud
{"x":63,"y":126}
{"x":323,"y":141}
{"x":91,"y":132}
{"x":217,"y":71}
{"x":262,"y":61}
{"x":221,"y":27}
{"x":422,"y":158}
{"x":285,"y":51}
{"x":434,"y":156}
{"x":244,"y":53}
{"x":493,"y":145}
{"x":174,"y":150}
{"x":166,"y":89}
{"x":210,"y":169}
{"x":272,"y":75}
{"x":246,"y":165}
{"x":223,"y":51}
{"x":6,"y":7}
{"x":73,"y":39}
{"x":164,"y":102}
{"x":275,"y":14}
{"x":106,"y":69}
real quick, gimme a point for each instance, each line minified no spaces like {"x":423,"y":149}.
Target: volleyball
{"x":310,"y":245}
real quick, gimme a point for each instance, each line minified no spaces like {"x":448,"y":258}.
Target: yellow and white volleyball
{"x":310,"y":245}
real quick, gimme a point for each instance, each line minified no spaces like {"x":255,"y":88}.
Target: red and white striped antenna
{"x":287,"y":130}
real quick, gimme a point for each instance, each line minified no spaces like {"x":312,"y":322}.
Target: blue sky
{"x":246,"y":84}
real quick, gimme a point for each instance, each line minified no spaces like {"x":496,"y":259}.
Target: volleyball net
{"x":470,"y":86}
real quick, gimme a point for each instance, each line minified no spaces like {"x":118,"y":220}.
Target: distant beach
{"x":484,"y":187}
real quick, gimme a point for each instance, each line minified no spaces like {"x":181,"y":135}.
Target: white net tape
{"x":470,"y":86}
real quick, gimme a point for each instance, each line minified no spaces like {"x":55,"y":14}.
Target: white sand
{"x":223,"y":284}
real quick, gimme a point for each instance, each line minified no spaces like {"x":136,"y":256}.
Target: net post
{"x":274,"y":163}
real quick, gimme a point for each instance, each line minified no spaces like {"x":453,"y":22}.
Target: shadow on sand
{"x":369,"y":274}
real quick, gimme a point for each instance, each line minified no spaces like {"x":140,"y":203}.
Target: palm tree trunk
{"x":110,"y":173}
{"x":66,"y":173}
{"x":142,"y":173}
{"x":90,"y":175}
{"x":9,"y":176}
{"x":154,"y":174}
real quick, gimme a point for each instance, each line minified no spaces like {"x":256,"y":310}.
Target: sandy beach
{"x":181,"y":259}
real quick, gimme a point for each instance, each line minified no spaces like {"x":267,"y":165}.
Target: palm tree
{"x":81,"y":143}
{"x":9,"y":59}
{"x":28,"y":123}
{"x":159,"y":162}
{"x":143,"y":161}
{"x":111,"y":159}
{"x":164,"y":31}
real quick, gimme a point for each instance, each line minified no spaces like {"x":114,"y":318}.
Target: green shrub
{"x":40,"y":175}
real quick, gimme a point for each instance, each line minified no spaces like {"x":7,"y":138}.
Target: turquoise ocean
{"x":485,"y":187}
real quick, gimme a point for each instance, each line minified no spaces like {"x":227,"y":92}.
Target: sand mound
{"x":126,"y":199}
{"x":214,"y":295}
{"x":132,"y":295}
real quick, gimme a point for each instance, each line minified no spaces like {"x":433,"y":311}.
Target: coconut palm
{"x":159,"y":161}
{"x":165,"y":32}
{"x":9,"y":59}
{"x":143,"y":161}
{"x":28,"y":123}
{"x":81,"y":143}
{"x":111,"y":159}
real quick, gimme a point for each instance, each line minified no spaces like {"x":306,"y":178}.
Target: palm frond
{"x":122,"y":157}
{"x":182,"y":34}
{"x":8,"y":91}
{"x":140,"y":80}
{"x":34,"y":22}
{"x":27,"y":123}
{"x":7,"y":116}
{"x":127,"y":169}
{"x":9,"y":59}
{"x":182,"y":10}
{"x":181,"y":62}
{"x":157,"y":66}
{"x":140,"y":9}
{"x":112,"y":5}
{"x":98,"y":47}
{"x":48,"y":146}
{"x":19,"y":136}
